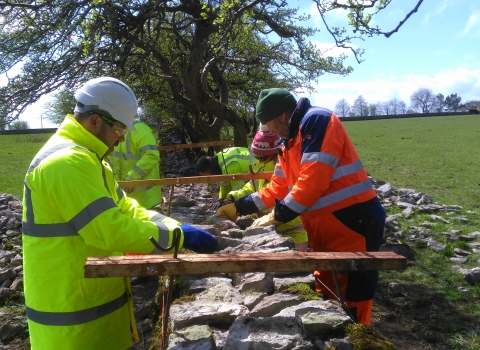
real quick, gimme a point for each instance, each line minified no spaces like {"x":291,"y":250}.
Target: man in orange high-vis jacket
{"x":320,"y":178}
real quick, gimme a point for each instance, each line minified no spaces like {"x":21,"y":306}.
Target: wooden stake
{"x":194,"y":180}
{"x":195,"y":145}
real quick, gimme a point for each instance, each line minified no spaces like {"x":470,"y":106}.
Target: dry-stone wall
{"x":245,"y":311}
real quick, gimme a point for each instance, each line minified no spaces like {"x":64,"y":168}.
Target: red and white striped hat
{"x":265,"y":142}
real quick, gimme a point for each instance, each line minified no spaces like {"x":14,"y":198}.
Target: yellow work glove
{"x":229,"y":210}
{"x":266,"y":220}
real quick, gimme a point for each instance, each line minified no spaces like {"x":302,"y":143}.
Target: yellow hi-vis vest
{"x":73,"y":209}
{"x":293,"y":229}
{"x":233,"y":160}
{"x":138,"y":158}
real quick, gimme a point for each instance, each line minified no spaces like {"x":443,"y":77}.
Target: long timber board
{"x":158,"y":265}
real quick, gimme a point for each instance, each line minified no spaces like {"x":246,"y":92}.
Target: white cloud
{"x":473,"y":25}
{"x":465,"y":83}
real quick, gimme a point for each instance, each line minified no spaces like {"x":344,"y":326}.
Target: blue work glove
{"x":197,"y":239}
{"x":283,"y":213}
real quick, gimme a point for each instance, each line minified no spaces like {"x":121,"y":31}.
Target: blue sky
{"x":437,"y":48}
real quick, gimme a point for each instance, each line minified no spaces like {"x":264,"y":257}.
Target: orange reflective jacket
{"x":319,"y":170}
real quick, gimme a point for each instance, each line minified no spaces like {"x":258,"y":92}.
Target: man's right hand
{"x":221,"y":202}
{"x":229,"y":210}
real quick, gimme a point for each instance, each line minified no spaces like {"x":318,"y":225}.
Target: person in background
{"x":233,"y":160}
{"x":73,"y":209}
{"x":265,"y":147}
{"x":320,"y":178}
{"x":138,"y":158}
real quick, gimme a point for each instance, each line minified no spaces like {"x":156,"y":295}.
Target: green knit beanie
{"x":273,"y":102}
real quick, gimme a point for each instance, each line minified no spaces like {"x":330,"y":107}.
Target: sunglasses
{"x":119,"y":128}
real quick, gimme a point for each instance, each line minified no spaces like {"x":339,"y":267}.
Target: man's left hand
{"x":197,"y":239}
{"x":283,"y":213}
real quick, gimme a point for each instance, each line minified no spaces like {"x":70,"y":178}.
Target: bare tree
{"x":402,"y":107}
{"x":373,"y":109}
{"x":360,"y":107}
{"x":342,"y":108}
{"x":387,"y":108}
{"x":423,"y":100}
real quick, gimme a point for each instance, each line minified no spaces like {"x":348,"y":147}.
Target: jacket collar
{"x":73,"y":130}
{"x":303,"y":105}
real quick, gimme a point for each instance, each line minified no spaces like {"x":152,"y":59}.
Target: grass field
{"x":16,"y":153}
{"x":439,"y":156}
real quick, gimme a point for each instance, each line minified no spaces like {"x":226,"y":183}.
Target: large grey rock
{"x":258,"y":281}
{"x":473,"y":277}
{"x":192,"y":338}
{"x":202,"y":312}
{"x":273,"y":304}
{"x":198,"y":286}
{"x":222,"y":292}
{"x":279,"y":333}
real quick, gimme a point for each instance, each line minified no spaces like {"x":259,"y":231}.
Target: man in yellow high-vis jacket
{"x":138,"y":158}
{"x":233,"y":160}
{"x":74,"y":209}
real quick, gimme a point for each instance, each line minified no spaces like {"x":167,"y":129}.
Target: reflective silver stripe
{"x":71,"y":228}
{"x":341,"y":195}
{"x":46,"y":152}
{"x":294,"y":205}
{"x":119,"y":193}
{"x":163,"y":235}
{"x":139,"y":171}
{"x":91,"y":211}
{"x":278,"y":172}
{"x":126,"y":156}
{"x":348,"y":169}
{"x":321,"y":157}
{"x":75,"y":317}
{"x":148,"y":148}
{"x":48,"y":230}
{"x":233,"y":157}
{"x":158,"y":217}
{"x":258,"y":201}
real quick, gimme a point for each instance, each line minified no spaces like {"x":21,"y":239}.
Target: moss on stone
{"x":303,"y":290}
{"x":364,"y":337}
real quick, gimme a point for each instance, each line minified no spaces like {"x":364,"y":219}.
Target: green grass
{"x":439,"y":156}
{"x":16,"y":153}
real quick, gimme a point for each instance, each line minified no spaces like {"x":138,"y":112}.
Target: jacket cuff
{"x":246,"y":206}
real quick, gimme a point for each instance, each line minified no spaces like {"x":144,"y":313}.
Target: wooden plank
{"x":194,"y":179}
{"x":157,"y":265}
{"x":195,"y":145}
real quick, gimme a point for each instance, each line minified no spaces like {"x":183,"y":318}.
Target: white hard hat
{"x":109,"y":95}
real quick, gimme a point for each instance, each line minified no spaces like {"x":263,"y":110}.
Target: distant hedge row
{"x":373,"y":117}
